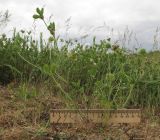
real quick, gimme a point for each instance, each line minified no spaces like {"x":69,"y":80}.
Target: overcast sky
{"x":140,"y":16}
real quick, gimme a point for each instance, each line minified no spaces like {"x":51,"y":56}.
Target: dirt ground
{"x":29,"y":120}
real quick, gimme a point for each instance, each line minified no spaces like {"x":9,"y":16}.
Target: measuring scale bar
{"x":71,"y":116}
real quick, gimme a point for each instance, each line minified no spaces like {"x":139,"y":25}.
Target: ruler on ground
{"x":71,"y":116}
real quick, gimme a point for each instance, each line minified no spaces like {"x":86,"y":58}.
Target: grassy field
{"x":34,"y":74}
{"x":114,"y":77}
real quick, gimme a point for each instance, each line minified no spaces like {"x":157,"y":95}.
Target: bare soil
{"x":29,"y":120}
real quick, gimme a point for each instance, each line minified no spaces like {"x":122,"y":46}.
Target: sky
{"x":100,"y":18}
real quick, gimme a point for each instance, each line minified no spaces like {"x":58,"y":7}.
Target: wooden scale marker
{"x":71,"y":116}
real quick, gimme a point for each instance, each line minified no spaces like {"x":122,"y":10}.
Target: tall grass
{"x":107,"y":74}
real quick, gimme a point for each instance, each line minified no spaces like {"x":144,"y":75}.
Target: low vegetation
{"x":111,"y":75}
